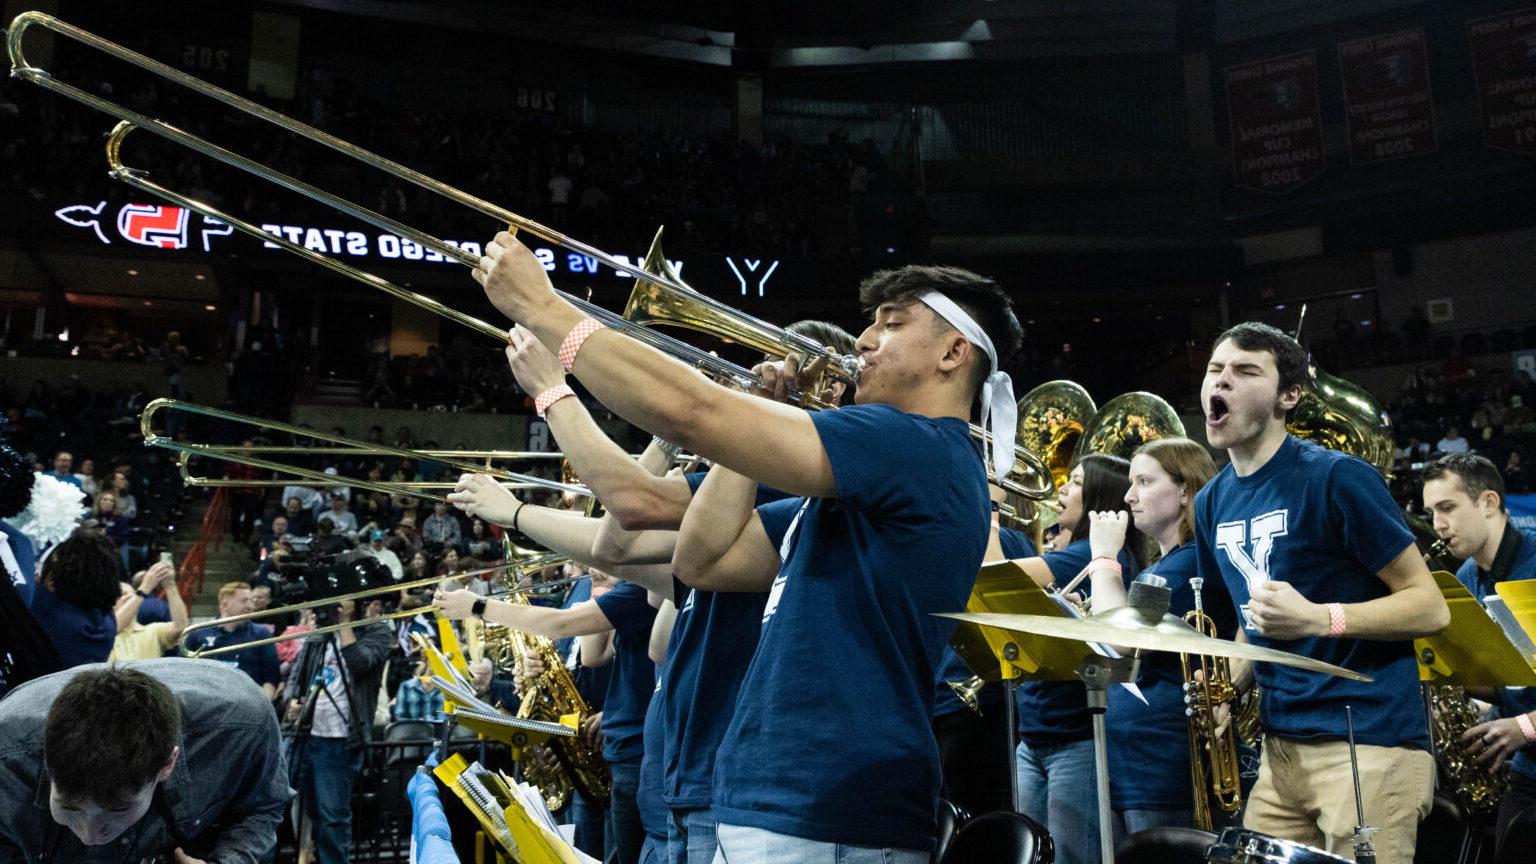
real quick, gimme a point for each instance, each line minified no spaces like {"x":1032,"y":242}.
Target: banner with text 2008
{"x":1277,"y":126}
{"x":1387,"y":100}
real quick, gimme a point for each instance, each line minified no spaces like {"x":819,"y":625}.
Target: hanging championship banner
{"x":1277,"y":128}
{"x":1504,"y":65}
{"x":1387,"y":101}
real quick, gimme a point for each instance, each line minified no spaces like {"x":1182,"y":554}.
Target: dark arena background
{"x":1137,"y":176}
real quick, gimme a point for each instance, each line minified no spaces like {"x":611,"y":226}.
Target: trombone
{"x":523,"y":567}
{"x":243,"y":456}
{"x":1028,"y":477}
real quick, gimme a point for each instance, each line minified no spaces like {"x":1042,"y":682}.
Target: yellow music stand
{"x":1005,"y":655}
{"x":484,"y":720}
{"x":518,"y":835}
{"x":1520,"y":599}
{"x":1475,"y":651}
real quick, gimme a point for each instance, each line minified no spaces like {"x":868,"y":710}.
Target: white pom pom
{"x":54,"y":513}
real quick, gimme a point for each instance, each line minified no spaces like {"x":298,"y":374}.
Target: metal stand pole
{"x":1095,"y":672}
{"x":1011,"y":688}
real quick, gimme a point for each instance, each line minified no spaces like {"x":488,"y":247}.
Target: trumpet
{"x":522,"y":567}
{"x":1028,"y":477}
{"x":243,"y":455}
{"x":1220,"y":783}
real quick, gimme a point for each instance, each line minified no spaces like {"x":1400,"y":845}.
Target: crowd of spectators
{"x":1455,"y":407}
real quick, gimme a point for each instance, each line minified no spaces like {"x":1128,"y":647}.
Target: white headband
{"x":999,"y":411}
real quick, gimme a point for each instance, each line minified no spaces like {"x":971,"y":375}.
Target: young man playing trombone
{"x":892,"y":527}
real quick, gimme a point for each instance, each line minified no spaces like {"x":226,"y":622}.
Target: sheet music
{"x":1500,"y":612}
{"x":470,"y":782}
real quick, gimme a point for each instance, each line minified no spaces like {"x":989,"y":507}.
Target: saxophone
{"x":1221,"y":782}
{"x":1451,"y":714}
{"x":564,"y":762}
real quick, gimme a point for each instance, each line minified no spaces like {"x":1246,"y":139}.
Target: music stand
{"x":1478,"y":649}
{"x":511,"y":814}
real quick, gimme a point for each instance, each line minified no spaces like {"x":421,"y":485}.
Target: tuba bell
{"x":1125,"y":423}
{"x":1051,"y":421}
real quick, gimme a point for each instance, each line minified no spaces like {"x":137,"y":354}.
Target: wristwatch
{"x":140,"y":592}
{"x":478,"y":609}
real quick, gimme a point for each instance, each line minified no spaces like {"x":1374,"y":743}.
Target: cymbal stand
{"x":1365,"y":850}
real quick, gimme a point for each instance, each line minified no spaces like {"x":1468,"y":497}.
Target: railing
{"x":189,"y":579}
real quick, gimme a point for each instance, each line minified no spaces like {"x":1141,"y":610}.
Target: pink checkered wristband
{"x":1526,"y":726}
{"x":1336,"y":621}
{"x":549,"y":397}
{"x":573,"y":341}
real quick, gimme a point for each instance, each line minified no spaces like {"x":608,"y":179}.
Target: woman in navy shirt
{"x":1055,"y":753}
{"x":1149,"y":768}
{"x":81,"y":581}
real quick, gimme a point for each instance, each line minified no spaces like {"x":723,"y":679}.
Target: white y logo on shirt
{"x":1258,"y":535}
{"x":785,"y":547}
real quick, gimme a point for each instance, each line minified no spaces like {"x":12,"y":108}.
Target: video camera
{"x":335,"y":576}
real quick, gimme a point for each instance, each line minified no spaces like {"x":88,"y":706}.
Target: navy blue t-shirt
{"x":1056,"y":712}
{"x":153,"y":610}
{"x":580,"y":592}
{"x":653,"y":813}
{"x":19,"y":549}
{"x":1521,"y":563}
{"x":1016,"y":544}
{"x":80,"y":635}
{"x":591,"y":681}
{"x":831,"y":739}
{"x":259,"y":661}
{"x":1324,"y":522}
{"x":1149,"y":743}
{"x":712,"y":644}
{"x":634,"y":675}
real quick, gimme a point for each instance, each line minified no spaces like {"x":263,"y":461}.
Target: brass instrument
{"x":969,"y":691}
{"x":517,"y":568}
{"x":1051,"y":421}
{"x":1221,"y":781}
{"x":1028,"y":476}
{"x":243,"y":456}
{"x":1451,"y":714}
{"x":1342,"y":416}
{"x":563,"y":762}
{"x":1125,"y":423}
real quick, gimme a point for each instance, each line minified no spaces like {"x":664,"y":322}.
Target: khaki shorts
{"x":1305,"y":793}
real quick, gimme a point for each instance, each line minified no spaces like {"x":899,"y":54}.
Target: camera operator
{"x":330,"y":699}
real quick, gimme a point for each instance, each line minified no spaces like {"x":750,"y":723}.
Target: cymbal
{"x":1125,"y":627}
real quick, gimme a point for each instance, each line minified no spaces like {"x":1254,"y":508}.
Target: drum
{"x":1241,"y":846}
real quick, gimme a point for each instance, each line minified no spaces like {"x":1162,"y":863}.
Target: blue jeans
{"x":652,"y":851}
{"x":743,"y":845}
{"x":1057,"y":788}
{"x":323,"y":773}
{"x":691,"y":837}
{"x":1128,"y":822}
{"x":626,"y":834}
{"x":588,"y":817}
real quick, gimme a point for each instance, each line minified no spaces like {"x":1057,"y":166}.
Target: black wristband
{"x":140,"y":592}
{"x":478,"y":609}
{"x":516,"y":513}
